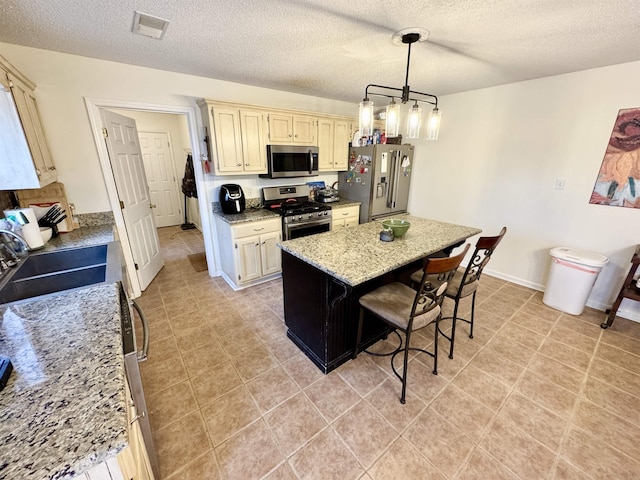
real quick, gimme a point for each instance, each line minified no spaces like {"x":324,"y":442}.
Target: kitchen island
{"x":324,"y":275}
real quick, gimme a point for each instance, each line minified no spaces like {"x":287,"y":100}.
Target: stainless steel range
{"x":300,"y":216}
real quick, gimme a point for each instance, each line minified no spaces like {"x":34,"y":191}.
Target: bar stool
{"x":466,"y":283}
{"x":407,"y":310}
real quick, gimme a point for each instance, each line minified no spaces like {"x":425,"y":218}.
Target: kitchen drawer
{"x":346,"y":212}
{"x":257,"y":228}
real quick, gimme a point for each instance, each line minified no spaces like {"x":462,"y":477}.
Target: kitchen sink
{"x":61,"y":270}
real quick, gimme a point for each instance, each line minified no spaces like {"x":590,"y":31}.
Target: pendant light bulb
{"x":413,"y":125}
{"x":433,"y":124}
{"x":366,"y":118}
{"x":392,"y":126}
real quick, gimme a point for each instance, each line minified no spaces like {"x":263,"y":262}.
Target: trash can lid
{"x":579,"y":256}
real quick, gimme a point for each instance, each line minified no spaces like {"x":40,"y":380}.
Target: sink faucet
{"x":8,"y":246}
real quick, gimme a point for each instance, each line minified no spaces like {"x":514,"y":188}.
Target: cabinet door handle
{"x":238,"y":164}
{"x":258,"y":229}
{"x":136,"y":418}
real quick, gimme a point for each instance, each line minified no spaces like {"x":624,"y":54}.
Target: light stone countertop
{"x":63,"y":409}
{"x":356,"y":254}
{"x":249,"y":215}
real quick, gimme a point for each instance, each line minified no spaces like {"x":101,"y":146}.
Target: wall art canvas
{"x":618,"y":182}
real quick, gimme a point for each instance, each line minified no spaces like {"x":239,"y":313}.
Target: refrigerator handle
{"x":393,"y":191}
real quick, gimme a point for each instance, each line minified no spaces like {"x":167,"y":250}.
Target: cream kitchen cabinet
{"x":333,"y":144}
{"x":345,"y":216}
{"x":286,"y":129}
{"x":25,"y":157}
{"x":249,"y":252}
{"x":238,"y":139}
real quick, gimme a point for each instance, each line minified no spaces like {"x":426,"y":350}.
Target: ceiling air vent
{"x":149,"y":26}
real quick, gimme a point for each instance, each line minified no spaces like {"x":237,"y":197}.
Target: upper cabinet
{"x":237,"y":139}
{"x":334,"y":136}
{"x":25,"y":157}
{"x":239,"y":135}
{"x":287,"y":129}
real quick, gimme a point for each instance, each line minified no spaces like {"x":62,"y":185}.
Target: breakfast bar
{"x":324,"y":275}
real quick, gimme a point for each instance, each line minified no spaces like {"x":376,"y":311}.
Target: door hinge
{"x":236,"y":246}
{"x":11,"y":85}
{"x":136,"y":265}
{"x":105,"y":132}
{"x":121,"y":205}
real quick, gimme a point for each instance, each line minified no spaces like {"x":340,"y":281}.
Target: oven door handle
{"x":142,"y":356}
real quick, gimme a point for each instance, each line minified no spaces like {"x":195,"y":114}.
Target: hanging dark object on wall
{"x":189,"y":190}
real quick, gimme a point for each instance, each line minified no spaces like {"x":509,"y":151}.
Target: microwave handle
{"x":310,"y":161}
{"x":142,"y":356}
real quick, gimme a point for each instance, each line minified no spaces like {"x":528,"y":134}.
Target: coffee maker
{"x":232,"y":198}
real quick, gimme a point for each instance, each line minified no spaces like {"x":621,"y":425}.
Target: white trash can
{"x":571,"y":277}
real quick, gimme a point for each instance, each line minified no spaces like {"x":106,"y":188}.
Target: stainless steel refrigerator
{"x":378,"y":177}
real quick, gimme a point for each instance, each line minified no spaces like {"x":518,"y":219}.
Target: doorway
{"x":155,"y":115}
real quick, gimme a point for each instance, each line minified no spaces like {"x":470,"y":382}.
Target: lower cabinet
{"x":249,"y":251}
{"x":345,"y":217}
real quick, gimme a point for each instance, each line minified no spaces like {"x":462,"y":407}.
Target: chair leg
{"x":473,"y":310}
{"x":359,"y":334}
{"x":405,"y":366}
{"x":453,"y":326}
{"x":435,"y":345}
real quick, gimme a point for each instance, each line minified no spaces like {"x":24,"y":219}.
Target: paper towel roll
{"x":31,"y":230}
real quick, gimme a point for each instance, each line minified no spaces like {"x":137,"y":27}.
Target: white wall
{"x":496,"y":163}
{"x":63,"y":81}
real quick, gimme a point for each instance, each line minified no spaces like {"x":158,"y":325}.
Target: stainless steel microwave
{"x":286,"y":161}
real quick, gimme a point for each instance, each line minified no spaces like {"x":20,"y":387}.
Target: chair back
{"x":485,"y":246}
{"x":436,"y":274}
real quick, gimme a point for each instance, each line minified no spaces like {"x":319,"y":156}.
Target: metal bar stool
{"x":407,"y":310}
{"x":466,"y":283}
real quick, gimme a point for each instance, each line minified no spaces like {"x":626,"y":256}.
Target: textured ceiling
{"x":333,"y":48}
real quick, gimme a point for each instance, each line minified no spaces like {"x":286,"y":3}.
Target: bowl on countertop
{"x":399,"y":227}
{"x":46,"y":233}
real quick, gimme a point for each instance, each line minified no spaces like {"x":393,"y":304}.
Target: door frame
{"x":94,"y":105}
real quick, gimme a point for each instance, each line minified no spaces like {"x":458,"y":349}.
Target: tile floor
{"x":535,"y":395}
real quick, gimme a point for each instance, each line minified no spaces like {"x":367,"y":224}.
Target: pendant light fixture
{"x":408,"y":37}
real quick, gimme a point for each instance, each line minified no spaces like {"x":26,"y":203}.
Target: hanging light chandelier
{"x":408,"y":37}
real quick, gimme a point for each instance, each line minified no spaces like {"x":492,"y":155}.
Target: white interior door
{"x":161,"y":178}
{"x":125,"y":155}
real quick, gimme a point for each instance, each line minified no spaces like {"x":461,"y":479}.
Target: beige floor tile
{"x":204,"y":467}
{"x":624,"y":327}
{"x":491,"y":362}
{"x":482,"y":466}
{"x":463,"y":410}
{"x":607,"y":427}
{"x":332,"y":405}
{"x":616,"y":401}
{"x":583,"y":328}
{"x":532,"y":322}
{"x":168,"y":405}
{"x":516,"y":353}
{"x":180,"y":442}
{"x":294,"y":422}
{"x":160,"y":330}
{"x":162,"y":348}
{"x":386,"y":400}
{"x":192,"y":338}
{"x":325,"y":457}
{"x":156,"y":313}
{"x":252,"y":453}
{"x":202,"y":359}
{"x":179,"y":294}
{"x":518,"y":451}
{"x":618,"y":357}
{"x":303,"y":371}
{"x":439,"y":441}
{"x":596,"y":458}
{"x":548,"y":394}
{"x":272,"y":388}
{"x":422,"y":382}
{"x":181,"y":306}
{"x":574,"y":339}
{"x":283,"y":349}
{"x":557,"y":372}
{"x":188,"y":320}
{"x":482,"y":387}
{"x":283,"y":472}
{"x":365,"y":432}
{"x":229,"y":414}
{"x":402,"y":462}
{"x":565,"y":354}
{"x":565,"y":471}
{"x":362,"y":374}
{"x":154,"y":372}
{"x":488,"y":319}
{"x":254,"y":362}
{"x":542,"y":311}
{"x":214,"y":382}
{"x":518,"y":335}
{"x":623,"y":379}
{"x":542,"y":424}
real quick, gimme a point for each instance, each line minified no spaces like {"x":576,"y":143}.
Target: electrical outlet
{"x":560,"y":183}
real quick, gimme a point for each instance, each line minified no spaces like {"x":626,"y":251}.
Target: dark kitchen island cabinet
{"x":324,"y":275}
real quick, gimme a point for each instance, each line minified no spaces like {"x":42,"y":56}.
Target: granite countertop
{"x":356,"y":254}
{"x":249,"y":215}
{"x":63,"y":409}
{"x":344,"y":202}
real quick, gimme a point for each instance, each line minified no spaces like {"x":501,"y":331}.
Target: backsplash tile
{"x":95,"y":219}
